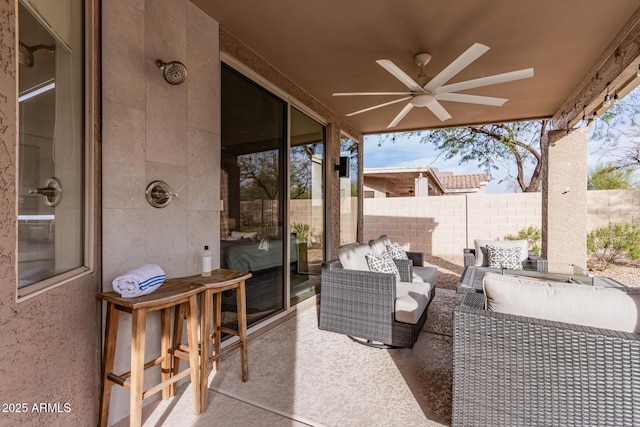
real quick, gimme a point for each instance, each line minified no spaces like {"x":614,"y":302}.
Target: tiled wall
{"x":445,"y":225}
{"x":155,"y":131}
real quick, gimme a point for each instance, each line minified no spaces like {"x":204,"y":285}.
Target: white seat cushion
{"x":353,"y":256}
{"x":481,"y":249}
{"x":595,"y":306}
{"x":412,"y":300}
{"x":425,"y":274}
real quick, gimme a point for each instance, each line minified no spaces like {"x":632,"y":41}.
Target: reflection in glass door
{"x":251,"y":219}
{"x":306,"y":205}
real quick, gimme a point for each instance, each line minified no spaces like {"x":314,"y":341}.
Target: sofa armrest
{"x":405,"y":267}
{"x":546,"y":368}
{"x":357,"y":303}
{"x":357,"y":294}
{"x":535,"y":262}
{"x":469,"y":257}
{"x":416,"y":257}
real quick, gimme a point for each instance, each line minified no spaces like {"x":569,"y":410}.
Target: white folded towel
{"x":139,"y":281}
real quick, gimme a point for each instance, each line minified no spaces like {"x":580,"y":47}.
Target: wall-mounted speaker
{"x":343,"y":167}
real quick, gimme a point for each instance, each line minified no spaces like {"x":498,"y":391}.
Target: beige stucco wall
{"x":564,"y":196}
{"x":446,"y":225}
{"x":50,"y":342}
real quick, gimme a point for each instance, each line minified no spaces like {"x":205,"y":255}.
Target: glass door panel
{"x":251,"y":219}
{"x":306,"y":205}
{"x":349,"y":193}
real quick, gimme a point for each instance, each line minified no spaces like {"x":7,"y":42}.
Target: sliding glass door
{"x":252,"y":231}
{"x":306,"y":204}
{"x":272,"y":220}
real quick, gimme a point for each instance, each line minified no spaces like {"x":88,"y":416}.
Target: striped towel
{"x":139,"y":281}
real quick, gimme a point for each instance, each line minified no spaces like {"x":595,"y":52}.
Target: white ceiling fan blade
{"x":437,"y":109}
{"x":400,"y":75}
{"x":459,"y":64}
{"x":370,"y":93}
{"x":400,"y":115}
{"x":471,"y":99}
{"x":378,"y":106}
{"x":486,"y":81}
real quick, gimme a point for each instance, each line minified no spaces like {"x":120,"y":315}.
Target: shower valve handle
{"x":47,"y":192}
{"x":51,"y":193}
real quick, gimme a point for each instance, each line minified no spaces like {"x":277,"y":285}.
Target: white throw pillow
{"x":383,"y":264}
{"x":595,"y":306}
{"x":396,"y":251}
{"x":237,"y":235}
{"x":353,"y":256}
{"x":508,"y":258}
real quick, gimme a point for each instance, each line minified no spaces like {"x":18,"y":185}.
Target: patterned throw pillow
{"x":382,"y":264}
{"x":508,"y":258}
{"x":396,"y":251}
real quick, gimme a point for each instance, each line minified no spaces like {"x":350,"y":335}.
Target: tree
{"x":610,"y":177}
{"x":490,"y":144}
{"x":618,"y":131}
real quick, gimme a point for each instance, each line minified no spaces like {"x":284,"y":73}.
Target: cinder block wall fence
{"x":447,"y":224}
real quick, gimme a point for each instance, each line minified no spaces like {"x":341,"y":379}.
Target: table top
{"x":219,"y":278}
{"x":176,"y":289}
{"x":471,"y":278}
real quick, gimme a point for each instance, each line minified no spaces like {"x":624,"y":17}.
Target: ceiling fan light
{"x":422,"y":100}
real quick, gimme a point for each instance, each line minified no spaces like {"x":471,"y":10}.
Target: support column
{"x":421,"y":184}
{"x":564,"y":197}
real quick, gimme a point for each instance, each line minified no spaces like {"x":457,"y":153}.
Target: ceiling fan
{"x":428,"y":93}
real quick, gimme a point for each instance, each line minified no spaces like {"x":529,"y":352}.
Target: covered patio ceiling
{"x":332,"y":45}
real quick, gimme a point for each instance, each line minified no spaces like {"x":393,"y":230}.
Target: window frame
{"x":88,"y":175}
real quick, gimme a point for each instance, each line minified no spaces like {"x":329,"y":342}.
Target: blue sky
{"x":409,"y":151}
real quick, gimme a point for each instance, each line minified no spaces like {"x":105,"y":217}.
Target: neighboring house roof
{"x":400,"y":181}
{"x":464,"y":183}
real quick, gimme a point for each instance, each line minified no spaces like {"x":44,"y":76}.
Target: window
{"x":349,"y":193}
{"x":51,"y":139}
{"x":306,"y":204}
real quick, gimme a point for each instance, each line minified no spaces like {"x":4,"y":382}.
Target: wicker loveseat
{"x":511,"y":370}
{"x":477,"y":256}
{"x":371,"y":307}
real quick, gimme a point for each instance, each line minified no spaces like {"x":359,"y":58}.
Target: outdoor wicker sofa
{"x":513,"y":371}
{"x":477,"y":257}
{"x":361,"y":304}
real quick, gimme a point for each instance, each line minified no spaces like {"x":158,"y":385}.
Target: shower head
{"x":25,"y":53}
{"x":174,"y":72}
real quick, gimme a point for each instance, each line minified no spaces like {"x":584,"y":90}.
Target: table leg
{"x":205,"y":347}
{"x":111,"y":336}
{"x":138,"y":329}
{"x":217,"y":322}
{"x":178,"y":322}
{"x":242,"y":329}
{"x":165,"y":343}
{"x":192,"y":334}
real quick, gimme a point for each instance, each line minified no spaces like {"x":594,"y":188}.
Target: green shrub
{"x":613,"y":241}
{"x":533,"y":236}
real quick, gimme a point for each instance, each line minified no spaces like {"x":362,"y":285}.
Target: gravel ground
{"x":626,"y":273}
{"x":450,"y":268}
